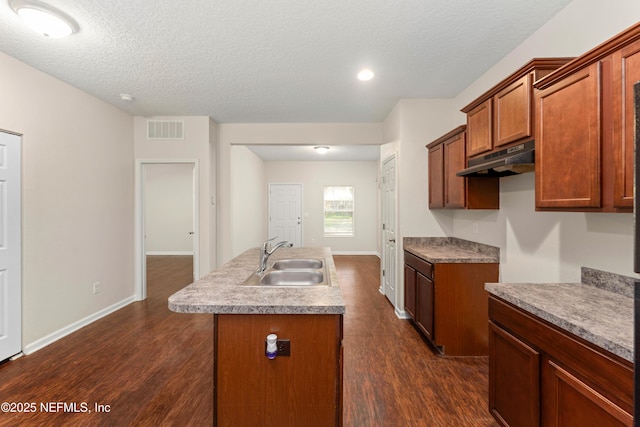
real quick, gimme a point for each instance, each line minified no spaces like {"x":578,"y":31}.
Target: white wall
{"x":77,"y":199}
{"x":196,"y":146}
{"x":411,"y":125}
{"x":546,"y":246}
{"x":168,"y":192}
{"x":230,"y":134}
{"x":314,"y":176}
{"x":248,"y":200}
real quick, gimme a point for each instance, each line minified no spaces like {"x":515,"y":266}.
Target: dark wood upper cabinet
{"x":513,"y":106}
{"x":447,"y":156}
{"x":504,"y":114}
{"x":585,"y":129}
{"x":568,"y":174}
{"x":626,"y":72}
{"x":436,"y":177}
{"x":480,"y":128}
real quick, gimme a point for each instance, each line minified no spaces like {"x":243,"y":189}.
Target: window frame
{"x":324,"y":212}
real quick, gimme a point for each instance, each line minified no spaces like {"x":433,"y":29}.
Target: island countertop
{"x":221,"y":292}
{"x":599,"y":310}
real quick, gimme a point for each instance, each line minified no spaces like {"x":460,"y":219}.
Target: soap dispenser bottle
{"x":272,"y":346}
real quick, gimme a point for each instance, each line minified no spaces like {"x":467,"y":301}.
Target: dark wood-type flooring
{"x":151,"y":367}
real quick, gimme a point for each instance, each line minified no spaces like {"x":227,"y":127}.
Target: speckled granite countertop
{"x":450,"y":250}
{"x":599,"y":310}
{"x":220,"y":291}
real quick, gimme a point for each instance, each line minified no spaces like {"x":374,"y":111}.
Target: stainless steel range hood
{"x":510,"y":161}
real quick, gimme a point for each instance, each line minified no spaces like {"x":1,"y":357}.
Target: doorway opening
{"x":166,"y":214}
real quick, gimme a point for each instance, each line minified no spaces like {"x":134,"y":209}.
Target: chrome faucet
{"x":267,"y":250}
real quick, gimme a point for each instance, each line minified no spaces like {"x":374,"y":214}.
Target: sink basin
{"x":293,"y":273}
{"x":292,"y":278}
{"x":297,"y":263}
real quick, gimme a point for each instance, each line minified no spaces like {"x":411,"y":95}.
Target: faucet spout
{"x":267,"y":251}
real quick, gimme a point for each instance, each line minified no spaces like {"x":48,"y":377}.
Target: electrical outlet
{"x":475,"y":227}
{"x":96,"y":287}
{"x":284,"y":347}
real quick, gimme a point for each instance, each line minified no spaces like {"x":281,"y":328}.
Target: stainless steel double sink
{"x":293,"y":272}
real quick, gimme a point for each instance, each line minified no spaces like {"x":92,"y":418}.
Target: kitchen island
{"x":562,"y":353}
{"x":302,"y":385}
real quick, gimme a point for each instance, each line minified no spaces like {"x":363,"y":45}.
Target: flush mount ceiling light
{"x":321,"y":149}
{"x":44,"y":19}
{"x":365,"y":75}
{"x":126,"y":97}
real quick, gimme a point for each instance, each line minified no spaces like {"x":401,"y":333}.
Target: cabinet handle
{"x":392,"y":240}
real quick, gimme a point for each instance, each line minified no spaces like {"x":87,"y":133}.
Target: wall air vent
{"x":165,"y":129}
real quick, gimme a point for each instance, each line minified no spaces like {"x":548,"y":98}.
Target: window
{"x":338,"y":211}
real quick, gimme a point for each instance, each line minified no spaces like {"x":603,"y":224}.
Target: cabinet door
{"x":626,"y":72}
{"x":410,"y":291}
{"x":568,"y":142}
{"x":454,"y":161}
{"x":570,"y":402}
{"x":479,"y":129}
{"x":436,"y":177}
{"x":514,"y":379}
{"x":512,"y":112}
{"x":425,"y":304}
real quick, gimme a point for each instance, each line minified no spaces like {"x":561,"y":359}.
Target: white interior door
{"x":285,"y":212}
{"x":10,"y":246}
{"x":389,"y":229}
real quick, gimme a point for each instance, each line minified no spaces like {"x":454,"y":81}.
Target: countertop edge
{"x":597,"y":339}
{"x":458,"y":258}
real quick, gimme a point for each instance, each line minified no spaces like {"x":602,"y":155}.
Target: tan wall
{"x":77,"y":198}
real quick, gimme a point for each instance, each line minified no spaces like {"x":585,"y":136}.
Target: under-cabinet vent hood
{"x":510,"y":161}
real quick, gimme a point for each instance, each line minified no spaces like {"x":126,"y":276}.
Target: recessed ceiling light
{"x":365,"y":75}
{"x":44,"y":19}
{"x":321,"y":149}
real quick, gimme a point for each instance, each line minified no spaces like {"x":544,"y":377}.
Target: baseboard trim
{"x":355,"y":253}
{"x":169,"y":252}
{"x":61,"y":333}
{"x":402,"y":314}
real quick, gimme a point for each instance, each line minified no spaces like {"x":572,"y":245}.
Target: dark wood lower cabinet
{"x":410,"y":290}
{"x":303,"y":389}
{"x":514,"y":379}
{"x":448,"y":303}
{"x":540,"y":375}
{"x":425,"y":293}
{"x":569,"y":401}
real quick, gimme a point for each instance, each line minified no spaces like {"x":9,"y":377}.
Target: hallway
{"x":151,"y":367}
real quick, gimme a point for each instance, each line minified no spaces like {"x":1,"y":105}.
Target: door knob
{"x":191,"y":232}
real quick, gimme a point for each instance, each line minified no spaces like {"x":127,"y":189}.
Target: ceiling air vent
{"x":165,"y":129}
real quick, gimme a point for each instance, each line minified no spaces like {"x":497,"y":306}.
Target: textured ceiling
{"x":241,"y":61}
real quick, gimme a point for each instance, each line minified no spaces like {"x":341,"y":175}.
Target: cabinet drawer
{"x":424,"y":267}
